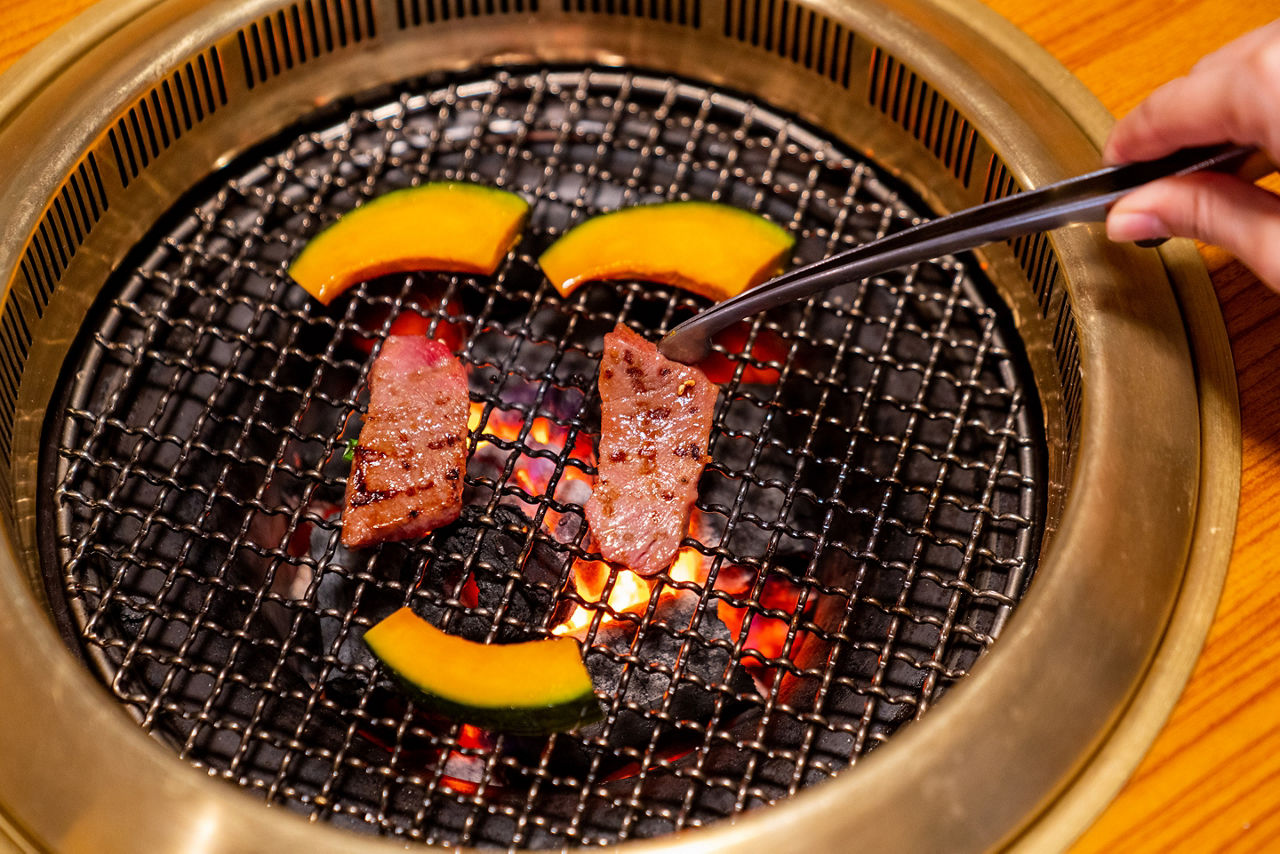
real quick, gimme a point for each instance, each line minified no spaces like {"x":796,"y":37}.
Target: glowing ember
{"x":533,"y":469}
{"x":540,"y":432}
{"x":464,"y":768}
{"x":460,"y":769}
{"x":766,"y":623}
{"x":767,"y":350}
{"x":410,"y":321}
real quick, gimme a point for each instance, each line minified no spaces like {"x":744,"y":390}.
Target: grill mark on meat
{"x":689,"y":450}
{"x":656,"y":422}
{"x":359,"y":494}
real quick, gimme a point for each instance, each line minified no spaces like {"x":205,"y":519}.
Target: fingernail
{"x":1125,"y":227}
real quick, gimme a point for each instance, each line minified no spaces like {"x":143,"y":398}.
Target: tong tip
{"x":687,"y":346}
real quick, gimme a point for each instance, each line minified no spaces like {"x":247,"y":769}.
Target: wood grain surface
{"x":1211,"y":781}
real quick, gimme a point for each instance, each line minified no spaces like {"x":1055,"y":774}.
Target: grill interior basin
{"x":947,"y":529}
{"x":847,"y":562}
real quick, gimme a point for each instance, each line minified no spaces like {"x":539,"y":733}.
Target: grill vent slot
{"x":416,"y":13}
{"x":1034,"y":251}
{"x":1000,"y":182}
{"x":1066,"y":350}
{"x":76,"y":208}
{"x":686,"y":13}
{"x":903,"y":96}
{"x":15,"y":345}
{"x":794,"y":32}
{"x":1039,"y":264}
{"x":1036,"y":256}
{"x":301,"y":32}
{"x":159,"y":118}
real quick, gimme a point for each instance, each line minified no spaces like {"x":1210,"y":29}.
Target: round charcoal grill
{"x":867,"y":520}
{"x":950,"y":557}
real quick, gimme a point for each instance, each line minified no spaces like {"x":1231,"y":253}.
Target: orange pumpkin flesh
{"x":713,"y":250}
{"x":444,"y":225}
{"x":532,"y":687}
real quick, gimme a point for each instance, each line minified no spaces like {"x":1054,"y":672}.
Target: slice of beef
{"x":406,"y":474}
{"x":655,"y":421}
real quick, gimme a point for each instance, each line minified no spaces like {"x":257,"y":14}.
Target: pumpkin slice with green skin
{"x":711,"y":249}
{"x":444,"y":225}
{"x":525,"y":688}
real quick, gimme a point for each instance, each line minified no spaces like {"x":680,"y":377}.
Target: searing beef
{"x":406,"y":474}
{"x":655,"y":420}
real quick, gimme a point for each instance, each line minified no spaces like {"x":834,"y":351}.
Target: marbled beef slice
{"x":655,"y":423}
{"x":406,"y":474}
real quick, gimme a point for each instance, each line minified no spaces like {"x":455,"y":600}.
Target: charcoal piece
{"x":694,"y":691}
{"x":643,"y":695}
{"x":828,"y":750}
{"x":356,"y":666}
{"x":484,"y":551}
{"x":130,"y":619}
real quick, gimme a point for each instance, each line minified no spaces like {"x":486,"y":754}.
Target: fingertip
{"x":1110,"y":157}
{"x":1134,"y":226}
{"x":1120,"y":142}
{"x":1118,"y":149}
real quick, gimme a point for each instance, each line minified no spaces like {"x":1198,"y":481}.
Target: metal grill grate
{"x":869,"y":518}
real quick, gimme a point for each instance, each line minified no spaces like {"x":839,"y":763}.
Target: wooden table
{"x":1212,"y":778}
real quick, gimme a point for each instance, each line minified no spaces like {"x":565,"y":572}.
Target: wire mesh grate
{"x":869,"y":517}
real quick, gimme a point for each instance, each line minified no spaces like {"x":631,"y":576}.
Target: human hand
{"x":1232,"y":95}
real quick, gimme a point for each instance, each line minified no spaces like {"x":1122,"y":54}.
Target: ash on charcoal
{"x":484,"y":550}
{"x":571,"y":525}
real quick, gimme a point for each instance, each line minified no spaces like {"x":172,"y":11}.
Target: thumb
{"x":1220,"y":209}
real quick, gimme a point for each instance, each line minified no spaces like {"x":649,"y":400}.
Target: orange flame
{"x":630,"y":592}
{"x":689,"y":564}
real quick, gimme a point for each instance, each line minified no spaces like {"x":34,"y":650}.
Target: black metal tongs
{"x":1083,"y":199}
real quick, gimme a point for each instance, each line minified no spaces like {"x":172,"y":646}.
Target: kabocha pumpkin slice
{"x":711,"y":249}
{"x":525,"y":688}
{"x":444,"y":225}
